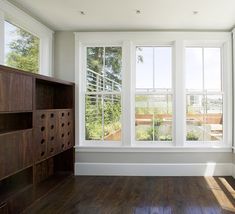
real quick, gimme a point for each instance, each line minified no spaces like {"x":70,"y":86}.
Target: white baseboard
{"x":152,"y":169}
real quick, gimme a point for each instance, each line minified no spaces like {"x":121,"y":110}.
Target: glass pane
{"x":194,"y":68}
{"x":93,"y":119}
{"x":143,"y":118}
{"x":195,"y":117}
{"x":112,"y":117}
{"x":95,"y":66}
{"x":163,"y":118}
{"x":163,"y":67}
{"x":214,"y":118}
{"x":153,"y":118}
{"x":144,"y":68}
{"x":21,"y":49}
{"x":113,"y":67}
{"x":212,"y":69}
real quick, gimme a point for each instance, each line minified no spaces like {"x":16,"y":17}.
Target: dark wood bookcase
{"x":36,"y":137}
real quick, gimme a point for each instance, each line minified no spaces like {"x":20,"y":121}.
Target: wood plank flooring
{"x":140,"y":195}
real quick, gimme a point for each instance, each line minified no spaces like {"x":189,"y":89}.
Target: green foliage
{"x":111,"y":111}
{"x":146,"y":134}
{"x":113,"y":61}
{"x":192,"y":136}
{"x":24,"y":52}
{"x":165,"y":138}
{"x":157,"y":121}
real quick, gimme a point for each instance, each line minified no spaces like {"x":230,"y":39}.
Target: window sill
{"x":137,"y":149}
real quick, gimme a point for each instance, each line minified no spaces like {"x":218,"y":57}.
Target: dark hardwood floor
{"x":124,"y":195}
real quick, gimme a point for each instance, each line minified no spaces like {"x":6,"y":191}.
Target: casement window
{"x":204,"y":94}
{"x":103,"y":94}
{"x":161,"y":90}
{"x":153,"y":94}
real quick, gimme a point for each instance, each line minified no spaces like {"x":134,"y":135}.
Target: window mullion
{"x":179,"y":93}
{"x":127,"y":94}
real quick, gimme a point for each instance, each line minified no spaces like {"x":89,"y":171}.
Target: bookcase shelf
{"x":50,"y":95}
{"x":10,"y":122}
{"x":36,"y":137}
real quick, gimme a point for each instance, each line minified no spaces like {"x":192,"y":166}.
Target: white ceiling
{"x":121,"y":14}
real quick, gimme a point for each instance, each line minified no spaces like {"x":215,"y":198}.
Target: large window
{"x":21,"y":49}
{"x":153,"y":98}
{"x":204,"y":94}
{"x":103,"y":93}
{"x":147,"y":90}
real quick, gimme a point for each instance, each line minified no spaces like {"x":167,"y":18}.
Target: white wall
{"x":64,"y":55}
{"x":183,"y":163}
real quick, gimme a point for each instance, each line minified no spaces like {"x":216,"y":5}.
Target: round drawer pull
{"x":42,"y":116}
{"x":42,"y":128}
{"x":52,"y":138}
{"x":42,"y":141}
{"x":62,"y":146}
{"x":52,"y":115}
{"x":42,"y":154}
{"x":62,"y":135}
{"x":52,"y":126}
{"x":62,"y":124}
{"x":62,"y":114}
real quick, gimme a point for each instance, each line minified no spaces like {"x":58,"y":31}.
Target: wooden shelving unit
{"x":36,"y":137}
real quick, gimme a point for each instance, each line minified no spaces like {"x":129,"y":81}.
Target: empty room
{"x":117,"y":107}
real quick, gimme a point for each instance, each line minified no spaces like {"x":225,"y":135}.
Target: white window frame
{"x":129,"y":41}
{"x":102,"y":93}
{"x":153,"y":143}
{"x":203,"y":93}
{"x":14,"y":15}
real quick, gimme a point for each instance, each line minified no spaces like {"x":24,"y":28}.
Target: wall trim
{"x":150,"y":149}
{"x":233,"y":170}
{"x":153,"y":169}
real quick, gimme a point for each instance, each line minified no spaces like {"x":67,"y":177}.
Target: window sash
{"x":102,"y":93}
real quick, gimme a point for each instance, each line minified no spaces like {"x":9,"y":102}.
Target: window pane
{"x":212,"y":69}
{"x":195,"y":117}
{"x":204,"y":118}
{"x":104,"y":69}
{"x":153,"y":118}
{"x":112,"y":117}
{"x":21,"y":49}
{"x":163,"y":67}
{"x":113,"y":66}
{"x":144,"y":68}
{"x":194,"y":68}
{"x":95,"y":66}
{"x":103,"y":108}
{"x":153,"y":68}
{"x":214,"y":118}
{"x":93,"y":120}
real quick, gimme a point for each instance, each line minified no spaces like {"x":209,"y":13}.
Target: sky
{"x":156,"y":69}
